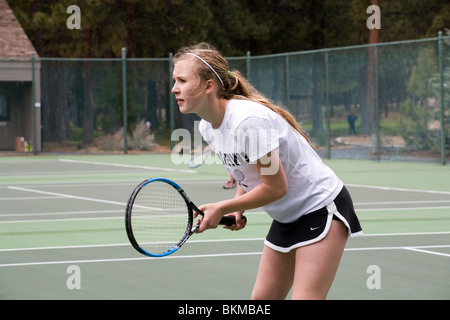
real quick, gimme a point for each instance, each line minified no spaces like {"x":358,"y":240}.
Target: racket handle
{"x":230,"y":220}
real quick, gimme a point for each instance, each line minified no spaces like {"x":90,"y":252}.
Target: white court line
{"x":397,"y":189}
{"x":131,"y":259}
{"x":2,"y":215}
{"x":61,"y":220}
{"x":28,"y":198}
{"x":401,"y":208}
{"x":397,"y":248}
{"x":235,"y":254}
{"x":127,"y":166}
{"x":63,"y":195}
{"x":113,"y":217}
{"x":404,"y":234}
{"x":192,"y":241}
{"x":428,"y":251}
{"x":400,"y":202}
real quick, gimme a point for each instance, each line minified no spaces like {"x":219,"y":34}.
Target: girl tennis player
{"x":276,"y":168}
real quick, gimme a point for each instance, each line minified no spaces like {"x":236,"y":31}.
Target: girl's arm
{"x":273,"y":187}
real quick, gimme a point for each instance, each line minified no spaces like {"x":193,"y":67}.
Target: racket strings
{"x":160,"y":217}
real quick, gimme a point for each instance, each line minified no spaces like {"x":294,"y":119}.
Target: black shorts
{"x":314,"y":226}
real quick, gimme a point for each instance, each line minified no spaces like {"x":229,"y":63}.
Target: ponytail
{"x":242,"y":89}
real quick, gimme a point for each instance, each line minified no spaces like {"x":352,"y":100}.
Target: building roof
{"x":13,"y":40}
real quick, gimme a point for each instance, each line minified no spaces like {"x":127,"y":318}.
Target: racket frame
{"x":128,"y":218}
{"x":191,"y":207}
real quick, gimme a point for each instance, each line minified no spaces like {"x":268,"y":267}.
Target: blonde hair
{"x":210,"y":64}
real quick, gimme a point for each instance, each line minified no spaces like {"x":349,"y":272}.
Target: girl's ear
{"x":210,"y":86}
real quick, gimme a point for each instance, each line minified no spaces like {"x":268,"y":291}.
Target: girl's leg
{"x":316,"y":264}
{"x":275,"y":275}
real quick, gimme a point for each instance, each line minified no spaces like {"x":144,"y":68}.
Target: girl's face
{"x":188,"y":89}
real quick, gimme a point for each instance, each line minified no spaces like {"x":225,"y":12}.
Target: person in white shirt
{"x":275,"y":167}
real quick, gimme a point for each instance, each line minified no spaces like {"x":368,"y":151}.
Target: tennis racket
{"x":198,"y":158}
{"x":159,"y":217}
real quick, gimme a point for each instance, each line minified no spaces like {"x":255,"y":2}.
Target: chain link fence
{"x":387,"y":101}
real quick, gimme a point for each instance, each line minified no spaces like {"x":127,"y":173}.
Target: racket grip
{"x":230,"y":220}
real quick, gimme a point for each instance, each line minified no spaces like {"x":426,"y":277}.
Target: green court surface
{"x":62,"y":232}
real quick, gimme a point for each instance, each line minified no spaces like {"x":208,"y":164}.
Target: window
{"x":4,"y":108}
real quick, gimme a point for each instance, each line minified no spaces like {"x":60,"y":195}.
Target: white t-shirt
{"x":249,"y":131}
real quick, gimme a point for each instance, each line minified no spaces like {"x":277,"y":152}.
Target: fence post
{"x":286,"y":79}
{"x":327,"y":106}
{"x":124,"y":100}
{"x":441,"y":83}
{"x":171,"y":100}
{"x":33,"y":103}
{"x":377,"y":106}
{"x":247,"y":65}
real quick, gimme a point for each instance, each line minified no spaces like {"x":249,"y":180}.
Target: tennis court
{"x":64,"y":213}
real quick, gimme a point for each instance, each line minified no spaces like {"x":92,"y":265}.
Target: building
{"x":20,"y":112}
